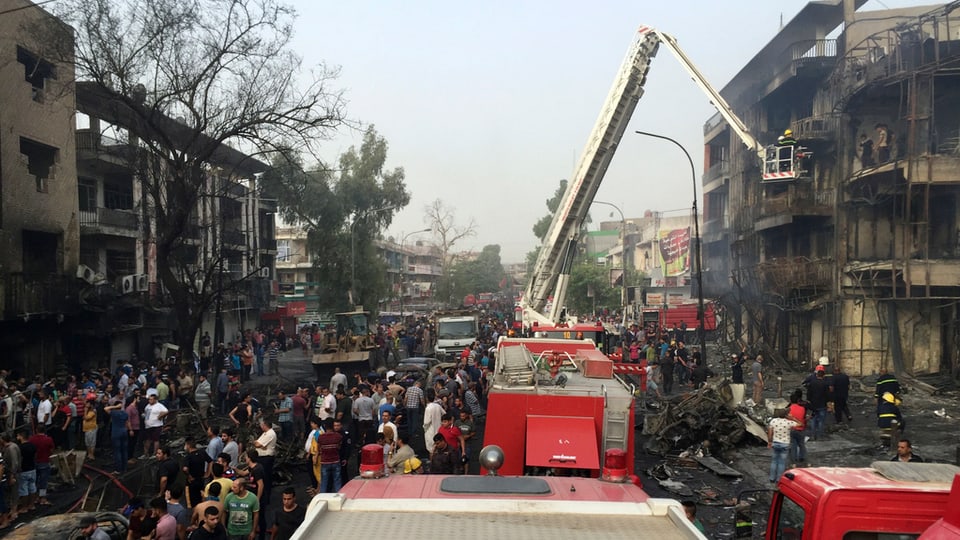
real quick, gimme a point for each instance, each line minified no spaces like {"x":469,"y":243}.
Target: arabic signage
{"x":675,"y":251}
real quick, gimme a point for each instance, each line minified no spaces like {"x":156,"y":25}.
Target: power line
{"x":37,"y":4}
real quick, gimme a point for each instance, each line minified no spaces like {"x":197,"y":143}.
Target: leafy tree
{"x":482,"y":274}
{"x":186,"y":79}
{"x":542,"y":225}
{"x":584,"y":277}
{"x":343,"y":212}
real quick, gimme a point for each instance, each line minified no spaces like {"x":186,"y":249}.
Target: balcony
{"x":785,"y":274}
{"x":798,"y":201}
{"x":808,"y":59}
{"x":716,"y":171}
{"x":109,"y":222}
{"x":25,"y":295}
{"x":816,"y":128}
{"x":95,"y":147}
{"x":233,"y":238}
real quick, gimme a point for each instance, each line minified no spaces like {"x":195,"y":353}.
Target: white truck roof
{"x":485,"y":507}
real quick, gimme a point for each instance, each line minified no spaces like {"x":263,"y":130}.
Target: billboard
{"x":675,"y":251}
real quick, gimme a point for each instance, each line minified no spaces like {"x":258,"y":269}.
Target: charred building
{"x":860,"y":255}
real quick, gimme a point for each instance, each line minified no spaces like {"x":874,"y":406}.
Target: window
{"x":118,"y":195}
{"x":41,"y":253}
{"x":790,"y":519}
{"x":121,"y":263}
{"x":879,"y":536}
{"x":40,"y":161}
{"x":35,"y":71}
{"x":283,"y":250}
{"x":87,"y":191}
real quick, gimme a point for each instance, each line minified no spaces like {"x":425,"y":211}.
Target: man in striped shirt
{"x":414,"y":402}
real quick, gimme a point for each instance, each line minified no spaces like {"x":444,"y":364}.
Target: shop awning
{"x":562,"y":441}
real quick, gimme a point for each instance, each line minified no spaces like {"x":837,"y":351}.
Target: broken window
{"x":41,"y":253}
{"x":35,"y":71}
{"x":40,"y":161}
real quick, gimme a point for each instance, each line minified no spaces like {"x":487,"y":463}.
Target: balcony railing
{"x":25,"y":295}
{"x":787,"y":273}
{"x":799,"y":201}
{"x":108,"y":217}
{"x":91,"y":141}
{"x":717,"y":170}
{"x":823,"y":127}
{"x":809,"y":50}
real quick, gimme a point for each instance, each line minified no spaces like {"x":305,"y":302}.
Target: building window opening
{"x":87,"y":192}
{"x":40,"y":161}
{"x":35,"y":71}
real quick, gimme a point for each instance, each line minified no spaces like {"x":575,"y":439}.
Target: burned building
{"x":39,"y":229}
{"x":859,"y":255}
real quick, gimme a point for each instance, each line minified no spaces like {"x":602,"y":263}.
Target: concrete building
{"x":859,"y":256}
{"x":413,"y":270}
{"x":39,"y":229}
{"x":227,"y":251}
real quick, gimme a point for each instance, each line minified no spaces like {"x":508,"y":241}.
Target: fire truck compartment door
{"x":562,"y":441}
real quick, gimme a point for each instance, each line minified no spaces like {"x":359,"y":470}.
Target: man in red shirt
{"x":454,"y":438}
{"x":44,"y":446}
{"x":299,"y":414}
{"x":329,"y":442}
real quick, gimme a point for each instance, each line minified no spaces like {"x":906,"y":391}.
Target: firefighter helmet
{"x":788,"y":133}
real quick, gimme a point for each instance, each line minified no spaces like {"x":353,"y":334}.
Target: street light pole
{"x":701,"y":313}
{"x":403,"y":267}
{"x":623,"y":257}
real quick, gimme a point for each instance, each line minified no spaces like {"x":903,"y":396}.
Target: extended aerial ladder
{"x":551,"y":272}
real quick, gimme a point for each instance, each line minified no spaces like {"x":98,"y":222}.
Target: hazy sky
{"x":487,"y":105}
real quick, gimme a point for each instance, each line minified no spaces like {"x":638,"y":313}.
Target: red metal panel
{"x":562,"y":441}
{"x":595,"y":364}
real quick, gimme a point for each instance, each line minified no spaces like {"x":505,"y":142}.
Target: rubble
{"x":699,"y":417}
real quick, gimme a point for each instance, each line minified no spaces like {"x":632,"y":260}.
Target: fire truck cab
{"x":888,"y":500}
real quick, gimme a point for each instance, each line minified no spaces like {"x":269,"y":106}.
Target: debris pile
{"x":702,"y":417}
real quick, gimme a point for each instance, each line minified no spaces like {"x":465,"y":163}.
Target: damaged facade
{"x":859,"y":257}
{"x":79,"y":279}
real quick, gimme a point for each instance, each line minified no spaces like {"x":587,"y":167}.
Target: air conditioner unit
{"x":143,"y":282}
{"x":86,"y":273}
{"x":265,"y":272}
{"x":129,"y":284}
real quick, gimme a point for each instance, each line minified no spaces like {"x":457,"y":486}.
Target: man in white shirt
{"x":385,"y":421}
{"x":337,"y":380}
{"x":44,"y":409}
{"x":329,"y":405}
{"x":153,"y":415}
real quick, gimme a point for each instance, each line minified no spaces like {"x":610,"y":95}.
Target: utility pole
{"x":623,"y":258}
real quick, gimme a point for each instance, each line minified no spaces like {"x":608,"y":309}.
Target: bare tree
{"x":442,"y":219}
{"x":189,"y":80}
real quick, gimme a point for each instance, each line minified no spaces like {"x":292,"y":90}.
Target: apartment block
{"x":858,"y":255}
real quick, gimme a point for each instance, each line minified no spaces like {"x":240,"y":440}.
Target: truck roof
{"x":881,"y":475}
{"x":484,"y":507}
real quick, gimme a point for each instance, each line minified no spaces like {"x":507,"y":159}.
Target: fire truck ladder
{"x":551,"y":271}
{"x":552,"y":268}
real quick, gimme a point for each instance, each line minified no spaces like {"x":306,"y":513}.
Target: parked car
{"x":67,"y":527}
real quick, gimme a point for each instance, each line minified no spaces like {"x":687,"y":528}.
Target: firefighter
{"x":886,"y":382}
{"x":787,"y":139}
{"x":888,"y":413}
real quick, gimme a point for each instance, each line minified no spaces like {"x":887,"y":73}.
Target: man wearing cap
{"x":818,"y":394}
{"x":401,"y":453}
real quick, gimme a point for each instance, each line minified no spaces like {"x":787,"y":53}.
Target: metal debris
{"x":700,"y":417}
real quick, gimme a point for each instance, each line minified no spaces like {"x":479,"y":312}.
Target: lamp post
{"x":403,"y":267}
{"x":623,"y":257}
{"x":701,"y":314}
{"x":353,"y":254}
